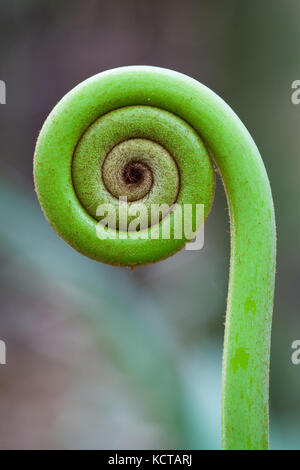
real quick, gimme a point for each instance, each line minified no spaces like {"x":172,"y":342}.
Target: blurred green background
{"x":101,"y":357}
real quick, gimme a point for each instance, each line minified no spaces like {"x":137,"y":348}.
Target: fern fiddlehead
{"x":148,"y":134}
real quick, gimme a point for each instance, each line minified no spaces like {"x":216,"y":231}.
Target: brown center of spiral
{"x":134,"y":173}
{"x":127,"y":171}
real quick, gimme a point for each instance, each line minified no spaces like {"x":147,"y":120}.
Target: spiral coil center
{"x":133,"y":173}
{"x":139,"y":168}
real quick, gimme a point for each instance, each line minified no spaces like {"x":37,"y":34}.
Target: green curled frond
{"x":147,"y":133}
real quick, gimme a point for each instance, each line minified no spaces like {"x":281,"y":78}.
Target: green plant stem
{"x":253,"y":238}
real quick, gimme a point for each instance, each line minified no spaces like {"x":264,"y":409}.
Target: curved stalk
{"x":193,"y":109}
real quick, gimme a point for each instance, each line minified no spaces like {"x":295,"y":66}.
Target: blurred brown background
{"x":100,"y":357}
